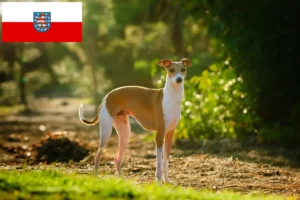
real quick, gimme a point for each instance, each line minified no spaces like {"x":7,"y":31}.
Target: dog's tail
{"x":83,"y":120}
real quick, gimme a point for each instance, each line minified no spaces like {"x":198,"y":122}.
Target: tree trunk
{"x":176,"y":32}
{"x":22,"y":80}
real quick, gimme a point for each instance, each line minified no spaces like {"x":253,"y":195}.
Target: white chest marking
{"x":171,"y":111}
{"x":171,"y":105}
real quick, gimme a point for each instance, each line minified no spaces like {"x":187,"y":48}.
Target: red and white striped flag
{"x":41,"y":21}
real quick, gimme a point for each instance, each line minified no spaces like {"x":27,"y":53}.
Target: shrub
{"x":215,"y":105}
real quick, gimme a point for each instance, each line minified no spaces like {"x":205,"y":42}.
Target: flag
{"x":41,"y":21}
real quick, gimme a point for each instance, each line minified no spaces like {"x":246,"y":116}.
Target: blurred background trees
{"x":244,"y":81}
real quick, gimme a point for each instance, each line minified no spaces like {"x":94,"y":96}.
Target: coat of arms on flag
{"x":41,"y":21}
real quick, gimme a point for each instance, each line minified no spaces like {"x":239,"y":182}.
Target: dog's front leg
{"x":167,"y":149}
{"x":159,"y":140}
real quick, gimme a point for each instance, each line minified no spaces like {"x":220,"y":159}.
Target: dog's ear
{"x":186,"y":62}
{"x":164,"y":62}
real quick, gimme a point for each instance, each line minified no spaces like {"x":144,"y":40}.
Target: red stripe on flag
{"x":25,"y":32}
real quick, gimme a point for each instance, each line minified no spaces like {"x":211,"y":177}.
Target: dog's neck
{"x":173,"y":90}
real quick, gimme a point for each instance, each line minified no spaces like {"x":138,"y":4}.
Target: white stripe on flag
{"x":23,"y":11}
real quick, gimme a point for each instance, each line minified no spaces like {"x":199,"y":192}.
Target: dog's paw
{"x":170,"y":183}
{"x":96,"y":173}
{"x":158,"y":182}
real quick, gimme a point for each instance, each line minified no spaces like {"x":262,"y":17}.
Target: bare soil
{"x":53,"y":133}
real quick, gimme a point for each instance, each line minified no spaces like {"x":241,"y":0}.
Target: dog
{"x":154,"y":109}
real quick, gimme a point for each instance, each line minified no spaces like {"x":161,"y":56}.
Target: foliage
{"x":260,"y":38}
{"x":215,"y":104}
{"x":122,"y":41}
{"x":52,"y":184}
{"x":9,"y":93}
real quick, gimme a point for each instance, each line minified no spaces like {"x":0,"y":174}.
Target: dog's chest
{"x":171,"y":111}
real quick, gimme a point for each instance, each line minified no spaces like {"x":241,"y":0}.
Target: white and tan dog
{"x":154,"y":109}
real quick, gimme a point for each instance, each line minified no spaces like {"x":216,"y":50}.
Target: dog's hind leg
{"x":122,"y":126}
{"x":105,"y":122}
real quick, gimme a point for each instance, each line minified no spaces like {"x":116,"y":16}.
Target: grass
{"x":5,"y":110}
{"x":47,"y":184}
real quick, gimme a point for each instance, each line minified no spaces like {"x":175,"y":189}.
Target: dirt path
{"x":188,"y":167}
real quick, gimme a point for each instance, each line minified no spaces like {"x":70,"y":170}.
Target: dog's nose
{"x":178,"y":80}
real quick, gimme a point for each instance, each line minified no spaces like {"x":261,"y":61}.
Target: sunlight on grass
{"x":86,"y":100}
{"x":53,"y":184}
{"x":5,"y":110}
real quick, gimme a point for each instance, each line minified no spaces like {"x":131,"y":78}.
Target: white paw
{"x":168,"y":182}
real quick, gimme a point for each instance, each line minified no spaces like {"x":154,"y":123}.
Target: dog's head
{"x":175,"y":70}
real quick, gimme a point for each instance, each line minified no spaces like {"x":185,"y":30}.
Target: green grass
{"x":47,"y":184}
{"x":5,"y":110}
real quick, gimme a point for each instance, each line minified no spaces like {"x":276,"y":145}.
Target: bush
{"x":263,"y":43}
{"x":215,"y":105}
{"x":9,"y":93}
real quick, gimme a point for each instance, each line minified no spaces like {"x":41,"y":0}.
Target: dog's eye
{"x":172,"y":70}
{"x":183,"y":69}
